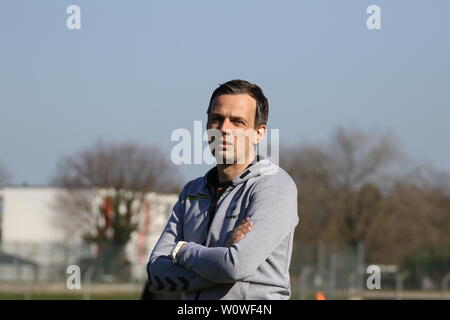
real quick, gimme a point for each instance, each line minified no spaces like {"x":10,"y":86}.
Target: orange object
{"x":108,"y":211}
{"x":320,"y":296}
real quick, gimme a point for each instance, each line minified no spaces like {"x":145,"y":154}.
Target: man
{"x":231,"y":232}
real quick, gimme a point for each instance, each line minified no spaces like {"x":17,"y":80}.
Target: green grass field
{"x":68,"y":296}
{"x":58,"y":291}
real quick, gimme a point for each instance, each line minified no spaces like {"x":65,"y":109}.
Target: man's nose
{"x":225,"y":126}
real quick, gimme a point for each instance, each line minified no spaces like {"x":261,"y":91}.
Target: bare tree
{"x":356,"y":157}
{"x":104,"y":189}
{"x":415,"y":215}
{"x":339,"y":197}
{"x":344,"y":197}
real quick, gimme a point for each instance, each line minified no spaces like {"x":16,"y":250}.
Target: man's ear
{"x":260,"y":133}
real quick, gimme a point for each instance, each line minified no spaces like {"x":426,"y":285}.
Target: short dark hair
{"x":244,"y":87}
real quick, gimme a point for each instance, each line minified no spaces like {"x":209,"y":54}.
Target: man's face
{"x":234,"y":118}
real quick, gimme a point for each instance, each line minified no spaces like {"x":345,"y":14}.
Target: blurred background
{"x":86,"y":118}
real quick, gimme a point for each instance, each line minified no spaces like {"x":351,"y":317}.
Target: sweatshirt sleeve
{"x":273,"y":210}
{"x":163,"y":274}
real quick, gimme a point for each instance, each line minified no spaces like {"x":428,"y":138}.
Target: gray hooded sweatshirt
{"x":254,"y":268}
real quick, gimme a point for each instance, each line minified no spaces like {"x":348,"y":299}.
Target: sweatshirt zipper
{"x":211,"y":216}
{"x":209,"y":213}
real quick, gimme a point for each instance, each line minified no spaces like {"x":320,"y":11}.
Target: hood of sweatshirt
{"x":259,"y":166}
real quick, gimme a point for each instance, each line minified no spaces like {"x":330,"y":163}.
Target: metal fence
{"x":336,"y":272}
{"x":341,"y":272}
{"x":317,"y":271}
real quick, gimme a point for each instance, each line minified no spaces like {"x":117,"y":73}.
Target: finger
{"x":245,"y":220}
{"x":235,"y":234}
{"x":248,"y":223}
{"x":246,"y":229}
{"x":238,"y":234}
{"x":241,"y":227}
{"x":238,"y":238}
{"x":244,"y":224}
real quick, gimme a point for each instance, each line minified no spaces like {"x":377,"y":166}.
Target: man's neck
{"x":227,"y":172}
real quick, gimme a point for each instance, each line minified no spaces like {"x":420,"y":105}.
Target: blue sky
{"x":137,"y":70}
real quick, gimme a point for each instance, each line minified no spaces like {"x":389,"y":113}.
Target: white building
{"x":29,"y":234}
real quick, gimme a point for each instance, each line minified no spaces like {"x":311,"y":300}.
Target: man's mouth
{"x":224,"y":144}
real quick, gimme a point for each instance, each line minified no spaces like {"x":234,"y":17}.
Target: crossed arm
{"x":274,"y":216}
{"x":163,"y":274}
{"x":273,"y":211}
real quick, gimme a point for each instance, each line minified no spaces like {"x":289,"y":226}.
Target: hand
{"x":239,"y":232}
